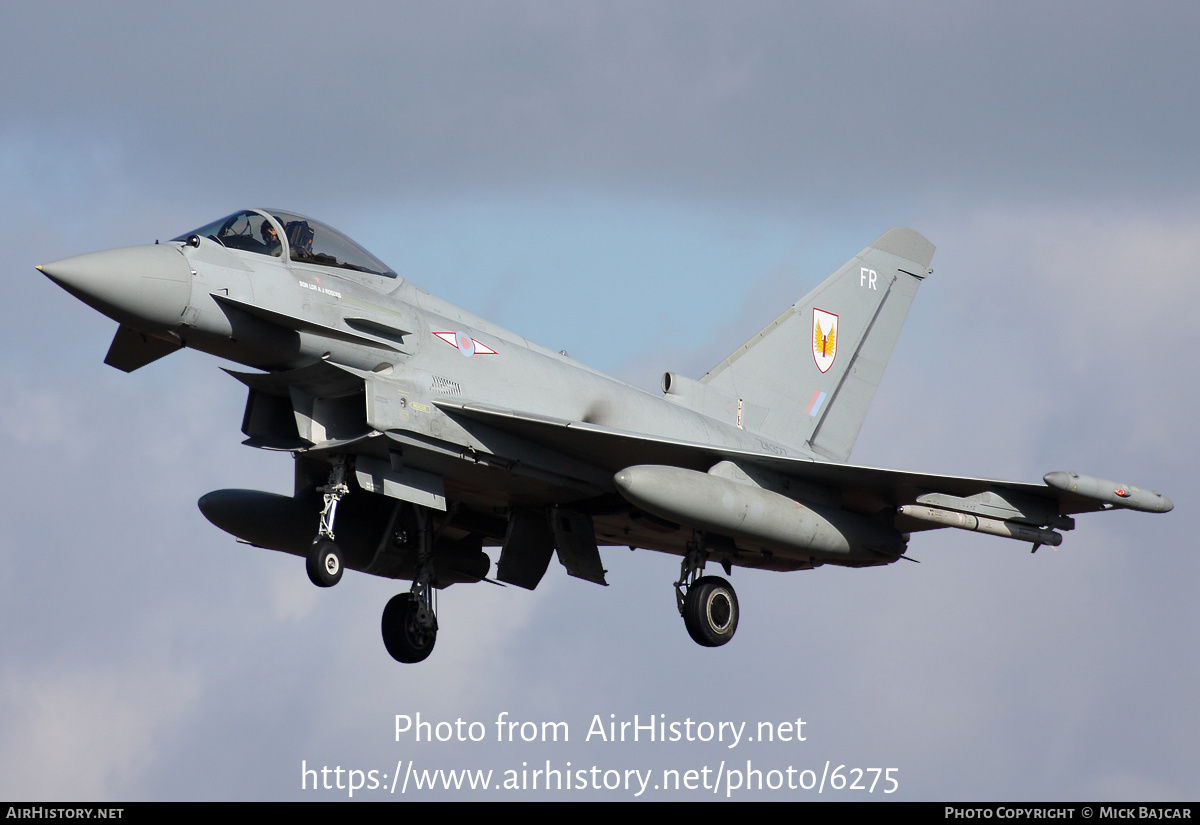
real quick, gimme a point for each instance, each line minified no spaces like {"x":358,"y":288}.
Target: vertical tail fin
{"x":815,"y":368}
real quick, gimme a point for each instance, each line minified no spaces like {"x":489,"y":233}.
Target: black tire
{"x":710,"y":611}
{"x":404,"y":639}
{"x":324,"y":563}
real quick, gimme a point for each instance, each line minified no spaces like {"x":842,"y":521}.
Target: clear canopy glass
{"x":312,"y":242}
{"x":245,"y":230}
{"x":307,"y":241}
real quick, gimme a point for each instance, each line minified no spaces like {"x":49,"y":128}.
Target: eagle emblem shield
{"x":825,"y":325}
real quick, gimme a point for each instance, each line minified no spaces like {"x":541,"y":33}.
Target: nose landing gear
{"x":324,"y":562}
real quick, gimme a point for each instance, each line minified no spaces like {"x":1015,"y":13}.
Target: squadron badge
{"x":825,"y":326}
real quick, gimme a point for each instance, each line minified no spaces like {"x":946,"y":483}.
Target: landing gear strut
{"x":410,"y":620}
{"x":708,"y":604}
{"x":324,"y":562}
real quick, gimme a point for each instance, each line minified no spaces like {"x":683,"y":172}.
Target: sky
{"x":644,"y":185}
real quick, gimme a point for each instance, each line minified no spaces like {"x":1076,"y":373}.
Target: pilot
{"x":300,"y":238}
{"x":271,"y":239}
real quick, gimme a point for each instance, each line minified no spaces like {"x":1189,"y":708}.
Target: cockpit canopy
{"x":291,"y":237}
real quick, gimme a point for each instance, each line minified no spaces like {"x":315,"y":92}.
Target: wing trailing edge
{"x":858,"y":488}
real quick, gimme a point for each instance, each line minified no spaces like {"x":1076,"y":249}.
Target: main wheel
{"x":324,"y":563}
{"x":403,"y":637}
{"x":710,"y":611}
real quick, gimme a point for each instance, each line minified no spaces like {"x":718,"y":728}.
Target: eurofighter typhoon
{"x":422,"y":434}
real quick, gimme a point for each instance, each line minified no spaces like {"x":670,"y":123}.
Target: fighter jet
{"x":422,"y":434}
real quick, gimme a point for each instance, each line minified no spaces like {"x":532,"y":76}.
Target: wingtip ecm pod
{"x":1109,"y":493}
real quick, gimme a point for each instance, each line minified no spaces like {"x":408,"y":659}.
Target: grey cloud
{"x":783,"y":102}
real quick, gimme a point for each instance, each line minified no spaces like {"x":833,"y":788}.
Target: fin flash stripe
{"x":814,"y":403}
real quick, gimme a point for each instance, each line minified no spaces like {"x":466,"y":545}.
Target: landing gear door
{"x":406,"y":484}
{"x":575,"y":539}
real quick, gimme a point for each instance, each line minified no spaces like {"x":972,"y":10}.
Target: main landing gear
{"x":409,"y":623}
{"x":708,"y":604}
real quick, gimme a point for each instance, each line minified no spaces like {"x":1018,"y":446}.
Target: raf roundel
{"x":465,"y":344}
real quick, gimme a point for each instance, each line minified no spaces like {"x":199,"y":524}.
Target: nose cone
{"x":138,"y":285}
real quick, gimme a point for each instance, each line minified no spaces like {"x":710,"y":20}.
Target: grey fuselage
{"x":411,"y":356}
{"x":423,"y":367}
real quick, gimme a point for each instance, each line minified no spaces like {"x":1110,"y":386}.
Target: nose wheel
{"x":324,"y":563}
